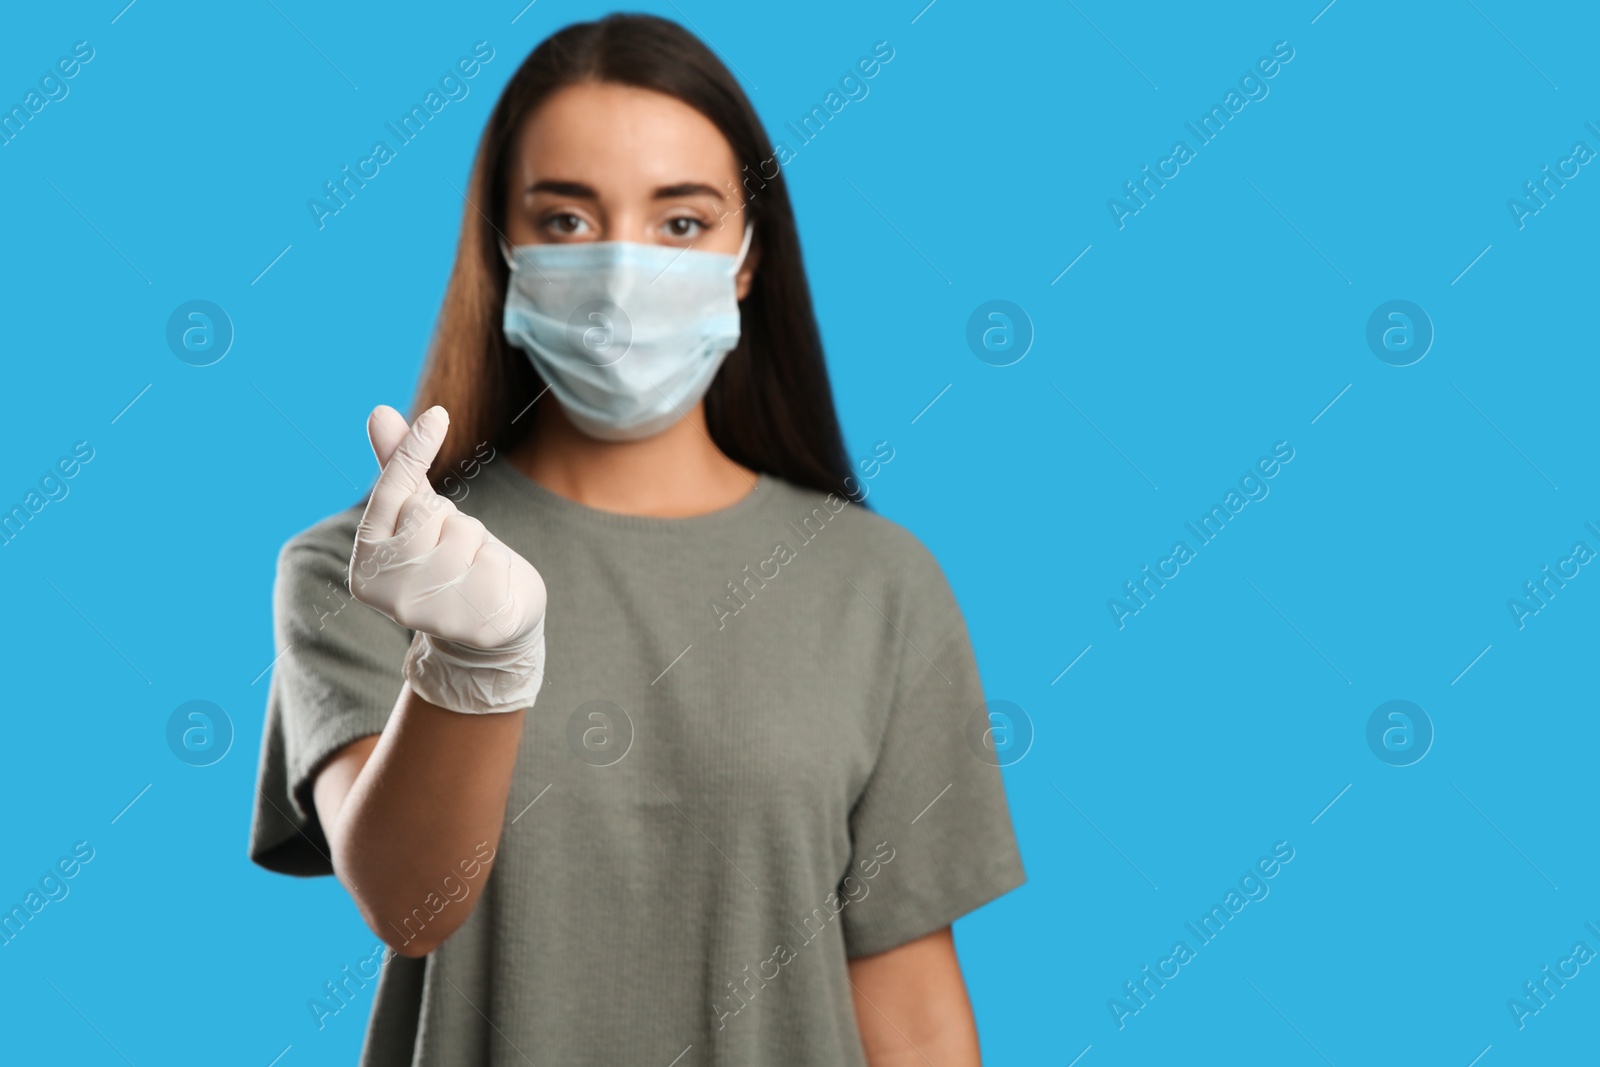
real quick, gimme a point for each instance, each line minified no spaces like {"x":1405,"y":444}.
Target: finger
{"x":386,"y":428}
{"x":406,"y":472}
{"x":421,"y":519}
{"x":460,"y":538}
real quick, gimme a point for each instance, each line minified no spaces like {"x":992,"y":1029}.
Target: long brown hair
{"x":770,"y":406}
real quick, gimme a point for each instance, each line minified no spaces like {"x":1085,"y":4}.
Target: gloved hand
{"x":477,"y":607}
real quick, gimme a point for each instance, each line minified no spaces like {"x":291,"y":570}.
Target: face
{"x":599,"y":161}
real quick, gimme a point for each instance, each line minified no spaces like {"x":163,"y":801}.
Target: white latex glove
{"x":477,"y":607}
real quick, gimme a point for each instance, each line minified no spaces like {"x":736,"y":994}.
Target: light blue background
{"x":1224,"y":317}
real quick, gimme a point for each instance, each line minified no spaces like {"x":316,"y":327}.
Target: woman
{"x":735,"y":820}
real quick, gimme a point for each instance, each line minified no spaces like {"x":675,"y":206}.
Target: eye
{"x":564,"y":224}
{"x":684,"y":227}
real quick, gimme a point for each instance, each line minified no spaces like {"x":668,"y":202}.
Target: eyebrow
{"x":581,"y":191}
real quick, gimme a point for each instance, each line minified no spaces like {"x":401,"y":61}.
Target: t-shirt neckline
{"x":553,"y":503}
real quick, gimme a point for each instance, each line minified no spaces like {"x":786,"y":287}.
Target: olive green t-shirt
{"x":757,"y":754}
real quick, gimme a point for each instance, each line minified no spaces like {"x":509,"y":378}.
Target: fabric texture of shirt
{"x":757,"y":753}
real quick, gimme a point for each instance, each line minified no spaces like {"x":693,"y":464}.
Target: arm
{"x":413,"y":816}
{"x":404,"y":808}
{"x":911,"y":1005}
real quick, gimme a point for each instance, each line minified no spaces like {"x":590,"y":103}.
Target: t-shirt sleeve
{"x":931,"y":833}
{"x":335,"y":679}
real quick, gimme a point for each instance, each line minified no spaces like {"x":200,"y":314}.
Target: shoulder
{"x":313,"y":585}
{"x":321,"y":551}
{"x":861,"y":542}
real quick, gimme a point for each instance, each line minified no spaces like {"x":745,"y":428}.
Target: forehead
{"x":621,"y":138}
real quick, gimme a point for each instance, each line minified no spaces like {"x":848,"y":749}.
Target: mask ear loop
{"x":504,"y":253}
{"x":744,"y":246}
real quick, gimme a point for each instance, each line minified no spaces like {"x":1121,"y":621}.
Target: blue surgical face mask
{"x":628,"y":336}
